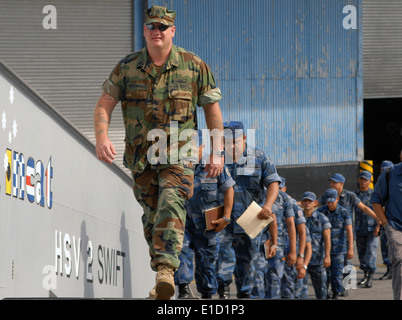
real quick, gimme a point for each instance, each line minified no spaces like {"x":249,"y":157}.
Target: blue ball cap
{"x":309,"y":196}
{"x":233,"y":129}
{"x":386,"y":164}
{"x":337,"y":177}
{"x":331,"y":195}
{"x":365,"y":175}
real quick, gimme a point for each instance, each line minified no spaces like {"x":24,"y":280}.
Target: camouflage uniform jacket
{"x":299,"y":218}
{"x":285,"y":210}
{"x":151,"y":100}
{"x":364,"y":224}
{"x":251,"y":181}
{"x":316,"y":224}
{"x":338,"y":219}
{"x":208,"y":193}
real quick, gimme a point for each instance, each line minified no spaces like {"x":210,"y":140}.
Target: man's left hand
{"x":265,"y":213}
{"x":215,"y":166}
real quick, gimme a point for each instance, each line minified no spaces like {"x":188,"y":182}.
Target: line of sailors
{"x":302,"y":241}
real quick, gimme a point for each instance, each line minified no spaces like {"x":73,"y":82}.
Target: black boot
{"x":369,"y":282}
{"x":363,"y":281}
{"x":243,"y":295}
{"x":224,"y":292}
{"x":387,"y":275}
{"x":184,"y":291}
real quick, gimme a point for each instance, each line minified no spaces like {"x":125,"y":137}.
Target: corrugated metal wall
{"x":286,"y":68}
{"x":68,"y":65}
{"x":382,"y":48}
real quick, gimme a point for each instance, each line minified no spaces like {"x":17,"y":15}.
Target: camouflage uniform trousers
{"x":185,"y":273}
{"x":318,"y":279}
{"x":301,"y":288}
{"x":202,"y":248}
{"x":335,"y":272}
{"x":237,"y":254}
{"x":162,"y":191}
{"x":261,"y":267}
{"x":288,"y":281}
{"x":366,"y":245}
{"x":274,"y":274}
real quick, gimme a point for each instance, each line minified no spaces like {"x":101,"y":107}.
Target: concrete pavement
{"x":381,"y":290}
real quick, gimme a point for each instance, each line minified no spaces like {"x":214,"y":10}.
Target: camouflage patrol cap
{"x":157,"y":14}
{"x":331,"y":195}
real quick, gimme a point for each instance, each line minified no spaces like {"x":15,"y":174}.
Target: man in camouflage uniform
{"x":341,"y":239}
{"x":366,"y":232}
{"x":349,"y":201}
{"x":256,"y":180}
{"x":320,"y":233}
{"x":159,"y":88}
{"x":290,"y":271}
{"x":208,"y":193}
{"x":286,"y":238}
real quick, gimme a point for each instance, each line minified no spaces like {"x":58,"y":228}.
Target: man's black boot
{"x":363,"y":281}
{"x":369,"y":282}
{"x":387,"y":275}
{"x":224,"y":292}
{"x":184,"y":291}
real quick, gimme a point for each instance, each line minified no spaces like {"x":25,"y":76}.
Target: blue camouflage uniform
{"x":250,"y":182}
{"x":365,"y":226}
{"x":275,"y":267}
{"x":208,"y":193}
{"x":348,"y":200}
{"x":338,"y":219}
{"x":316,"y":224}
{"x":261,"y":263}
{"x":301,"y":286}
{"x":289,"y":278}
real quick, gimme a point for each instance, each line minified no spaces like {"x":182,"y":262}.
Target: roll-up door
{"x":382,"y":48}
{"x":67,"y":65}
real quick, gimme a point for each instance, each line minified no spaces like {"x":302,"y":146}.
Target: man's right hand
{"x":104,"y":147}
{"x":105,"y":150}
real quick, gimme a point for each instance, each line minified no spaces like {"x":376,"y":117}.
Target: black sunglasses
{"x":161,"y":27}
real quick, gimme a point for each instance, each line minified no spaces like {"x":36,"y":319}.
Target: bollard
{"x":367,"y":165}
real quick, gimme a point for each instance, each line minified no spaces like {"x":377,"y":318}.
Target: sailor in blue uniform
{"x":256,"y":180}
{"x":320,"y":233}
{"x":341,"y":241}
{"x":366,"y":229}
{"x":208,"y":193}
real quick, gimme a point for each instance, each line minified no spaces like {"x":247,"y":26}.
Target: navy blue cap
{"x":386,"y":164}
{"x":365,"y":175}
{"x":331,"y":195}
{"x":309,"y":195}
{"x":337,"y":177}
{"x":236,"y":129}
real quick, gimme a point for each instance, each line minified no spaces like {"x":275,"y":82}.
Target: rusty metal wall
{"x":288,"y":69}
